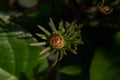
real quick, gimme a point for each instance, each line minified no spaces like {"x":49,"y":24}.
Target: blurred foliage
{"x":106,"y":62}
{"x":71,"y":70}
{"x":97,"y":59}
{"x":4,"y":75}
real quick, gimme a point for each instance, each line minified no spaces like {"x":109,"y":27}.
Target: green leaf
{"x":44,"y":53}
{"x":71,"y":70}
{"x":4,"y":75}
{"x":51,"y":24}
{"x":32,"y":59}
{"x":70,"y":29}
{"x":38,"y":44}
{"x":16,"y":55}
{"x":73,"y":51}
{"x":67,"y":24}
{"x":115,"y":3}
{"x":61,"y":27}
{"x":43,"y":65}
{"x":44,"y":50}
{"x":7,"y":58}
{"x":106,"y":61}
{"x":44,"y":30}
{"x":61,"y":54}
{"x":56,"y":58}
{"x":20,"y":51}
{"x":117,"y":38}
{"x":42,"y":36}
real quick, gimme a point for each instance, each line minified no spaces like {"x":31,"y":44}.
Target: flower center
{"x":57,"y":42}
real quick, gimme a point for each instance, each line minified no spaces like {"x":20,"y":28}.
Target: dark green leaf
{"x":106,"y":62}
{"x":71,"y":70}
{"x":115,"y":3}
{"x":43,"y":65}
